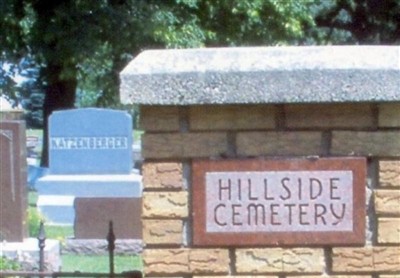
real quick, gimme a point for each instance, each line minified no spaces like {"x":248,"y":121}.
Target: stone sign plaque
{"x":13,"y":202}
{"x":90,"y":141}
{"x":279,"y":202}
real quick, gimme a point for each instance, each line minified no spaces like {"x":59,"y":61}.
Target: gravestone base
{"x":27,"y":254}
{"x":57,"y":209}
{"x":99,"y":246}
{"x":57,"y":192}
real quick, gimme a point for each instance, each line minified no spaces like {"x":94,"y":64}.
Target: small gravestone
{"x":13,"y":202}
{"x":93,"y":216}
{"x":90,"y":156}
{"x":90,"y":141}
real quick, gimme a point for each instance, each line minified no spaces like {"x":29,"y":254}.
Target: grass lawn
{"x":32,"y":198}
{"x":100,"y":263}
{"x":59,"y":232}
{"x":82,"y":263}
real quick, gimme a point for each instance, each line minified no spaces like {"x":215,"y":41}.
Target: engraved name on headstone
{"x":285,"y":202}
{"x":90,"y":141}
{"x":12,"y":181}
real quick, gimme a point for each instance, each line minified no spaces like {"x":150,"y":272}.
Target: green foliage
{"x":8,"y":264}
{"x":192,"y":23}
{"x":357,"y":22}
{"x":30,"y":92}
{"x":32,"y":195}
{"x":91,"y":41}
{"x":34,"y":219}
{"x":60,"y":233}
{"x":87,"y":43}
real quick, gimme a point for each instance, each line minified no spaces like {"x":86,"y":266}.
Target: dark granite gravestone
{"x":13,"y":202}
{"x":93,"y":216}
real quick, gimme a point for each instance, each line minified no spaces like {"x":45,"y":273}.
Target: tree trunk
{"x":60,"y":95}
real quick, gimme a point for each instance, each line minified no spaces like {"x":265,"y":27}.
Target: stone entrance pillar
{"x":264,"y":104}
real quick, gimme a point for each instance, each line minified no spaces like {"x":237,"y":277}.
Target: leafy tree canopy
{"x":79,"y":47}
{"x":87,"y":40}
{"x":358,"y":21}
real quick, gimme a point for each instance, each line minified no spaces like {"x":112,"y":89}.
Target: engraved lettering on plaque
{"x":279,"y":201}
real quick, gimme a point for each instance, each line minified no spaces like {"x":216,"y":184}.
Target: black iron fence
{"x":43,"y":273}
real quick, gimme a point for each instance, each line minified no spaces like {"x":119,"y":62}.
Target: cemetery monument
{"x":90,"y":156}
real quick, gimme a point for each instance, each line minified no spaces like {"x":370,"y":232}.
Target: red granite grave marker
{"x":92,"y":216}
{"x":13,"y":200}
{"x":279,"y":202}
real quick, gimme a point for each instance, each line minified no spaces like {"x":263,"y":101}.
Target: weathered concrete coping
{"x":263,"y":75}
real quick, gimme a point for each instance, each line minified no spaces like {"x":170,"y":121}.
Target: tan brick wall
{"x":389,"y":115}
{"x":175,"y":136}
{"x":376,"y":143}
{"x":387,"y":202}
{"x":185,"y":261}
{"x":329,"y":116}
{"x":164,"y":175}
{"x":209,"y":261}
{"x":366,"y":259}
{"x":163,"y":232}
{"x":279,"y":143}
{"x":332,"y":276}
{"x":278,"y":260}
{"x":389,"y":173}
{"x":231,"y":117}
{"x":389,"y":230}
{"x":165,"y":204}
{"x":159,"y":118}
{"x":184,"y":145}
{"x":165,"y":261}
{"x":241,"y":276}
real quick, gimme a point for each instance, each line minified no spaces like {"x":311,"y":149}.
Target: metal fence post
{"x":42,"y":243}
{"x":111,"y":247}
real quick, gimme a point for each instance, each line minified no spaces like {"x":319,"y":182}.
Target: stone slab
{"x":90,"y":141}
{"x":57,"y":209}
{"x":27,"y":252}
{"x":99,"y":246}
{"x":91,"y":185}
{"x":309,"y":74}
{"x":94,"y":214}
{"x":279,"y":202}
{"x":13,"y":195}
{"x":57,"y":192}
